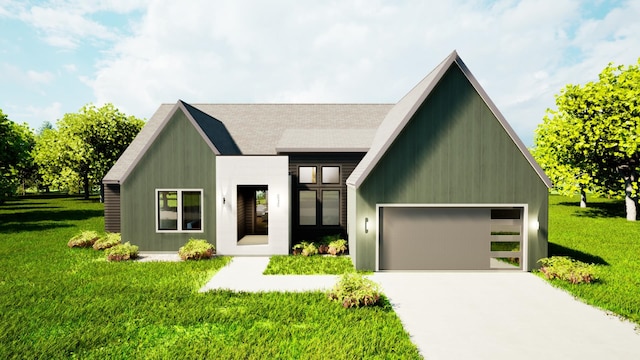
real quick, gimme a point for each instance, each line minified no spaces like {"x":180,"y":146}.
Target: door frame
{"x":525,"y":224}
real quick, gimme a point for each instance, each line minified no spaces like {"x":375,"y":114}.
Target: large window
{"x":179,"y":210}
{"x":319,"y":188}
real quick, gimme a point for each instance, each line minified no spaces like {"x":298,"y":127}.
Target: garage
{"x":451,"y":238}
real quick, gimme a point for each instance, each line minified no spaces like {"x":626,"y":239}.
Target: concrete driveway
{"x":502,"y":315}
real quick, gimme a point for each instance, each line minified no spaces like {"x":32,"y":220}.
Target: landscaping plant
{"x":109,"y":240}
{"x":309,"y":249}
{"x":338,"y":247}
{"x":567,"y":269}
{"x":196,"y":249}
{"x":355,"y":290}
{"x":85,"y":239}
{"x":122,"y":252}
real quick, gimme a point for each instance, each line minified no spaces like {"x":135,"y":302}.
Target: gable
{"x":404,"y":111}
{"x":452,"y":150}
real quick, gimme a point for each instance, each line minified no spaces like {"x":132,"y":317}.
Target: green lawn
{"x":57,"y":302}
{"x":309,"y":265}
{"x":599,"y":234}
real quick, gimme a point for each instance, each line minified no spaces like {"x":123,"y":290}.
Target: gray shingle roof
{"x":325,"y":140}
{"x":398,"y":117}
{"x":257,"y":129}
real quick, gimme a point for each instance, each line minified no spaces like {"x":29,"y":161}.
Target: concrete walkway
{"x":245,"y":274}
{"x":471,"y":315}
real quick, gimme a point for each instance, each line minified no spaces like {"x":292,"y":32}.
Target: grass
{"x":309,"y":265}
{"x":57,"y":302}
{"x":599,"y":234}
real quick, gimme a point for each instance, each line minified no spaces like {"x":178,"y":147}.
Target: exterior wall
{"x":271,"y":171}
{"x":347,"y":162}
{"x":179,"y":158}
{"x":112,"y":208}
{"x":453,"y":151}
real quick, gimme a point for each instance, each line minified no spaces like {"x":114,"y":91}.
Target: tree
{"x":593,"y":138}
{"x":84,"y":146}
{"x":16,"y":142}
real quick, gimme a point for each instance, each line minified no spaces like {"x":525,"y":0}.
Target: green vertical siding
{"x":179,"y":158}
{"x":453,"y":150}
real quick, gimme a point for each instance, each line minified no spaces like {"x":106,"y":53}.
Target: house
{"x":437,"y":181}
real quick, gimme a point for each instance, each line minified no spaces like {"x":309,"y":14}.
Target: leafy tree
{"x":593,"y":138}
{"x":84,"y":146}
{"x":16,"y":142}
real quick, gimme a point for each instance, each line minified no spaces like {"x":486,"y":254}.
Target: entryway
{"x":253,"y":214}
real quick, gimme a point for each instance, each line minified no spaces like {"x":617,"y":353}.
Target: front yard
{"x":57,"y":302}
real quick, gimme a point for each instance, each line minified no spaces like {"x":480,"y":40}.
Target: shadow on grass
{"x":613,"y":209}
{"x":42,"y":220}
{"x":559,"y":250}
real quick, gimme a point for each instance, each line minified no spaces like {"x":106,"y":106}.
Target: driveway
{"x":471,"y":315}
{"x":502,"y":315}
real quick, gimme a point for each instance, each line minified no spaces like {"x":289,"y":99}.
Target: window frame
{"x":179,"y":194}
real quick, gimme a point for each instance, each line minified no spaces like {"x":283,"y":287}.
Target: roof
{"x":400,"y":115}
{"x":259,"y":128}
{"x":325,"y":140}
{"x":263,"y":129}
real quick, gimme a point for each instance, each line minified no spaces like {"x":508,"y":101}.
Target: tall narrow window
{"x":191,"y":210}
{"x":179,"y":210}
{"x":330,"y":207}
{"x":307,"y":174}
{"x":167,"y":210}
{"x":307,"y":207}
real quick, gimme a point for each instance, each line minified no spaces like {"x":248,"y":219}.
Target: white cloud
{"x":40,"y":77}
{"x":522,"y":52}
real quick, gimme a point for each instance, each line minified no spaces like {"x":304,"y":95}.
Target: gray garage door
{"x":428,"y":238}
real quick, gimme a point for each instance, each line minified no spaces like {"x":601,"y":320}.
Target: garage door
{"x":437,"y":238}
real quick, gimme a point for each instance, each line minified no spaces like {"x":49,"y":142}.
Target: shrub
{"x":122,"y":252}
{"x":338,"y":247}
{"x":109,"y":240}
{"x":297,"y":248}
{"x":355,"y":290}
{"x":567,"y":269}
{"x":309,"y":249}
{"x":196,"y":249}
{"x":84,"y":239}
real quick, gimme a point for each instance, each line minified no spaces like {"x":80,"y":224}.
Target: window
{"x":331,"y":175}
{"x":307,"y":207}
{"x":307,"y":174}
{"x":330,"y":207}
{"x":179,"y":210}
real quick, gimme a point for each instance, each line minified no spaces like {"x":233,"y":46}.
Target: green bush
{"x":122,"y":252}
{"x":305,"y":248}
{"x":84,"y":239}
{"x":338,"y":247}
{"x":355,"y":290}
{"x":567,"y":269}
{"x":109,"y":240}
{"x":196,"y":249}
{"x":309,"y":249}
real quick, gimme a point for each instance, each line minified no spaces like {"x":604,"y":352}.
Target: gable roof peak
{"x":400,"y":115}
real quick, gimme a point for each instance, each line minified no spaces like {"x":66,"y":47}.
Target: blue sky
{"x":58,"y":55}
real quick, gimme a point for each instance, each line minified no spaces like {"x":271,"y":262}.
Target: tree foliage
{"x":84,"y":146}
{"x":592,"y":139}
{"x":16,"y":142}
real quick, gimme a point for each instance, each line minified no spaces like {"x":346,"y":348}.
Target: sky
{"x":57,"y":56}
